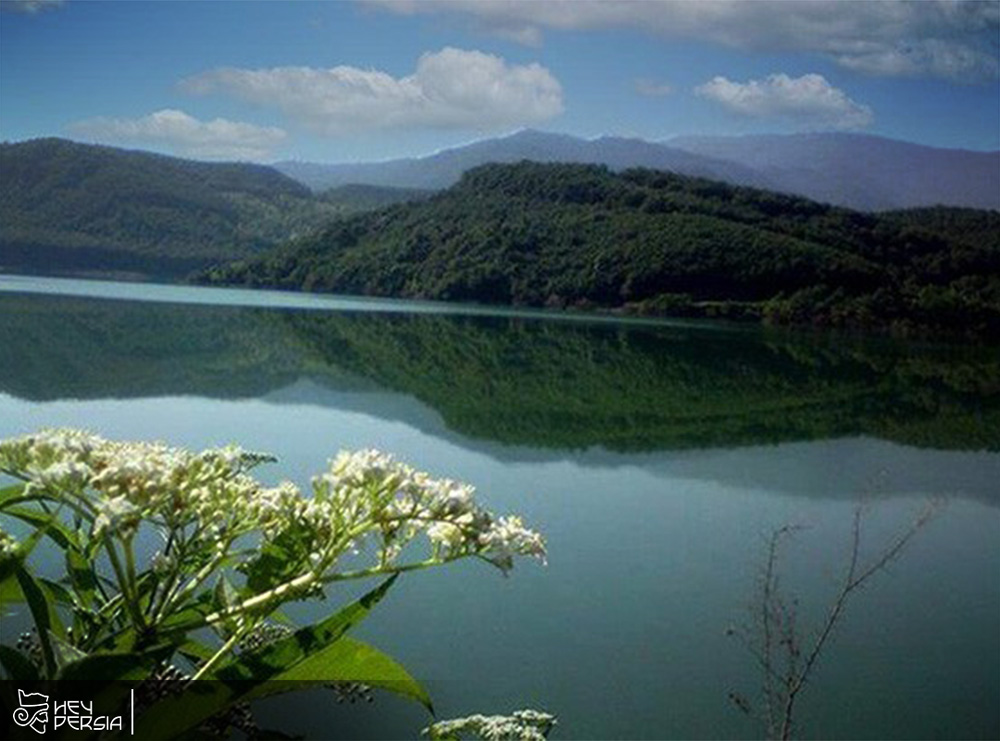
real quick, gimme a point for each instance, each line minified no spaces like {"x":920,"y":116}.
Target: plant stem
{"x":196,"y":581}
{"x":128,"y":597}
{"x":226,"y":647}
{"x":302,"y":582}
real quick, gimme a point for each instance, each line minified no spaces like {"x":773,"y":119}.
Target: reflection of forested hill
{"x":547,"y":384}
{"x":626,"y":388}
{"x":59,"y":348}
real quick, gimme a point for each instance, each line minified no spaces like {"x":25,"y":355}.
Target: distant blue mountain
{"x":443,"y":169}
{"x":860,"y":171}
{"x":863,"y":172}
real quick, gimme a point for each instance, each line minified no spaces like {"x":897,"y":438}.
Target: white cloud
{"x":452,"y":88}
{"x":806,"y":102}
{"x":30,"y":7}
{"x":185,"y":135}
{"x":953,"y":39}
{"x":652,"y":89}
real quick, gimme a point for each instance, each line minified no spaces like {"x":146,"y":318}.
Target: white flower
{"x":507,"y":538}
{"x":522,"y":725}
{"x":8,"y":545}
{"x":118,"y":515}
{"x":366,"y":501}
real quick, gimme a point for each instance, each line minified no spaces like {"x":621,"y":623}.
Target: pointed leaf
{"x":81,"y":576}
{"x":10,"y":589}
{"x":275,"y":658}
{"x":47,"y":523}
{"x":351,"y":660}
{"x":18,"y":666}
{"x":11,"y":495}
{"x":43,"y":614}
{"x":246,"y":673}
{"x":64,"y":652}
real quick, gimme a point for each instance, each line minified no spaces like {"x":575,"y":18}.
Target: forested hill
{"x":652,"y":242}
{"x":76,"y":208}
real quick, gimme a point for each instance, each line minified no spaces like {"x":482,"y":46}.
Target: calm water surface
{"x":656,"y":458}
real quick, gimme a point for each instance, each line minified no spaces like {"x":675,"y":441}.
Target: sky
{"x":357,"y":81}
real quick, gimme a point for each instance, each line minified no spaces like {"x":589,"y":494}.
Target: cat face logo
{"x":34,"y":710}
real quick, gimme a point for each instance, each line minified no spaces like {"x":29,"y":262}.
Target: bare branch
{"x":780,"y":638}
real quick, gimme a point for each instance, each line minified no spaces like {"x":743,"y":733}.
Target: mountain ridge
{"x":835,"y":182}
{"x":862,"y":171}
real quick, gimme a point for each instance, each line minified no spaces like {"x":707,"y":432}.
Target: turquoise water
{"x":656,"y":458}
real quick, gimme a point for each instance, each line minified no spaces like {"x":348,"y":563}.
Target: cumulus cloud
{"x":652,"y":89}
{"x":953,"y":39}
{"x":185,"y":135}
{"x":452,"y":88}
{"x":806,"y":102}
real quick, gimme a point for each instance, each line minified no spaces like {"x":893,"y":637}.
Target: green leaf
{"x":109,"y":666}
{"x":278,"y":561}
{"x":18,"y":666}
{"x":110,"y":676}
{"x":11,"y":493}
{"x":350,"y":660}
{"x":10,"y":590}
{"x":248,"y":672}
{"x":191,"y":615}
{"x":56,"y":592}
{"x":43,"y":614}
{"x":47,"y":523}
{"x":223,"y":597}
{"x":65,"y":653}
{"x":275,"y":658}
{"x":81,"y":577}
{"x":171,"y":631}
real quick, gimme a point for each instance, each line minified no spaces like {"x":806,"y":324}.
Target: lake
{"x":656,"y":457}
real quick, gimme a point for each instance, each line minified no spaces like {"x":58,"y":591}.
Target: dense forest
{"x":354,"y":198}
{"x":514,"y":381}
{"x":654,"y":243}
{"x":77,"y":209}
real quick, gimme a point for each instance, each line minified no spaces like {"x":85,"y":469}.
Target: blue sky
{"x":340,"y":81}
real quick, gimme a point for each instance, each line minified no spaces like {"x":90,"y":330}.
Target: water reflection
{"x":513,"y":381}
{"x":653,"y":457}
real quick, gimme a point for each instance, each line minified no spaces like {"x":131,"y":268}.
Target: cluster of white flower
{"x":372,"y":487}
{"x":522,"y":725}
{"x":364,"y":495}
{"x":122,"y":483}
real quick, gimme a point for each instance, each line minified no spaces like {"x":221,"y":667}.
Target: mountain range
{"x":867,"y":173}
{"x":78,"y":209}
